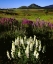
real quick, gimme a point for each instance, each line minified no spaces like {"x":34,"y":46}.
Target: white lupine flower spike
{"x":31,"y":46}
{"x":13,"y":46}
{"x":40,"y":45}
{"x":25,"y":38}
{"x":34,"y":37}
{"x":8,"y":55}
{"x":27,"y":51}
{"x":37,"y":43}
{"x":27,"y":46}
{"x":44,"y":47}
{"x":12,"y":54}
{"x":28,"y":42}
{"x":19,"y":54}
{"x":35,"y":52}
{"x":37,"y":55}
{"x":13,"y":49}
{"x":17,"y":41}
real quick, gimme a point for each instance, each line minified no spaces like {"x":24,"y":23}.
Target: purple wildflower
{"x":28,"y":22}
{"x":50,"y":25}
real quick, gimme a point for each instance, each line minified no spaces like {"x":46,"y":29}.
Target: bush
{"x":27,"y":50}
{"x":7,"y":24}
{"x":11,"y":28}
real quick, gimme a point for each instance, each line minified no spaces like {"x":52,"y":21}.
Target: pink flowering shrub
{"x":7,"y":24}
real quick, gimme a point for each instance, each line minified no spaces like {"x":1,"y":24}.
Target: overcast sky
{"x":18,"y":3}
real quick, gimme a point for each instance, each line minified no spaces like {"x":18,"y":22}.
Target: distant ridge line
{"x":35,"y":6}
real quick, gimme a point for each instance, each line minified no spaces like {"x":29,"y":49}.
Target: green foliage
{"x":46,"y":11}
{"x":23,"y":57}
{"x":30,"y":14}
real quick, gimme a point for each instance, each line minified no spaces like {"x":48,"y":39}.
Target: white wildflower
{"x":19,"y":54}
{"x":13,"y":46}
{"x":13,"y":49}
{"x":44,"y":47}
{"x":36,"y":54}
{"x":17,"y":41}
{"x":8,"y":55}
{"x":28,"y":42}
{"x":39,"y":48}
{"x":34,"y":37}
{"x":31,"y":46}
{"x":25,"y":38}
{"x":33,"y":42}
{"x":21,"y":41}
{"x":12,"y":54}
{"x":27,"y":51}
{"x":37,"y":43}
{"x":30,"y":39}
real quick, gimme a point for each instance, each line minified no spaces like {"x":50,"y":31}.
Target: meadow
{"x":30,"y":14}
{"x":26,"y":36}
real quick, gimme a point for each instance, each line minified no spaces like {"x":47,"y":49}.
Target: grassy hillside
{"x":30,"y":14}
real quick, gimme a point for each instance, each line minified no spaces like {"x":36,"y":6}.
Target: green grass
{"x":30,"y":14}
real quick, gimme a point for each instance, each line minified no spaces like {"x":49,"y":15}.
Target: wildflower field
{"x":26,"y":41}
{"x":30,"y":14}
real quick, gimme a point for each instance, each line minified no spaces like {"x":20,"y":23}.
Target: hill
{"x":49,"y":6}
{"x":34,"y":6}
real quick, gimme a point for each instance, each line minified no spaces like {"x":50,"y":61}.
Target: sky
{"x":18,"y":3}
